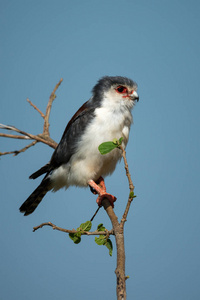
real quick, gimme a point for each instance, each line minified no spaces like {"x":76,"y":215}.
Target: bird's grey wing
{"x":70,"y":137}
{"x":73,"y":131}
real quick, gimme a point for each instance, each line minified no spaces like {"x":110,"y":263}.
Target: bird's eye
{"x":121,"y":89}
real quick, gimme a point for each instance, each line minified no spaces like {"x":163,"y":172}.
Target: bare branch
{"x":9,"y":152}
{"x":25,"y":136}
{"x":48,"y":109}
{"x":119,"y":237}
{"x":16,"y":152}
{"x":39,"y":138}
{"x":2,"y":126}
{"x":36,"y":108}
{"x":43,"y":137}
{"x":131,"y":188}
{"x":96,"y":232}
{"x":13,"y":128}
{"x":27,"y":147}
{"x":13,"y":136}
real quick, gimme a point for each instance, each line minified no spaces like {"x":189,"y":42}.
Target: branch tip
{"x":36,"y":108}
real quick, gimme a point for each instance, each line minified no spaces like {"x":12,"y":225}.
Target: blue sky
{"x":156,"y":43}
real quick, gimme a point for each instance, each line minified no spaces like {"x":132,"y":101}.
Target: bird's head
{"x":116,"y":91}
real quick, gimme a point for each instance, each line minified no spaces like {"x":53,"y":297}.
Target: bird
{"x":77,"y":161}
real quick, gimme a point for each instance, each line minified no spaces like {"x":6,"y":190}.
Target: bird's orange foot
{"x":110,"y":198}
{"x":99,"y":187}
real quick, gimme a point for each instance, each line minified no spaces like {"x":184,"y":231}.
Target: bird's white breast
{"x":87,"y":163}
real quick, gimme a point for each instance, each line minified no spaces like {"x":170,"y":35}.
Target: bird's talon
{"x":98,"y":187}
{"x":110,"y":198}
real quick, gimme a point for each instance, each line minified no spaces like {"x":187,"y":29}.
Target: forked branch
{"x":43,"y":137}
{"x":96,"y":232}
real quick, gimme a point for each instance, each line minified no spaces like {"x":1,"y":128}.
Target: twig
{"x":9,"y":152}
{"x":36,"y":108}
{"x":13,"y":128}
{"x":96,"y":232}
{"x":27,"y":147}
{"x":39,"y":137}
{"x":16,"y":152}
{"x":48,"y":109}
{"x":13,"y":136}
{"x":43,"y":137}
{"x":131,"y":188}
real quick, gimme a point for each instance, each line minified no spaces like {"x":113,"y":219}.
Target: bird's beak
{"x":134,"y":96}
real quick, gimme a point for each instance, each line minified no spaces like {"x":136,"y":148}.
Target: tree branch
{"x":13,"y":136}
{"x":39,"y":138}
{"x":96,"y":232}
{"x":43,"y":137}
{"x":48,"y":109}
{"x":36,"y":108}
{"x":131,"y":187}
{"x":119,"y":237}
{"x":16,"y":152}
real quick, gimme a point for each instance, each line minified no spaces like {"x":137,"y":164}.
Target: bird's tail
{"x":35,"y":198}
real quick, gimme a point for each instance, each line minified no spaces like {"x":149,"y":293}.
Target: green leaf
{"x":101,"y":240}
{"x":78,"y":234}
{"x":106,"y":147}
{"x":104,"y":240}
{"x":75,"y":237}
{"x":120,"y":140}
{"x":85,"y":226}
{"x":109,"y":246}
{"x":132,"y":195}
{"x":100,"y":227}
